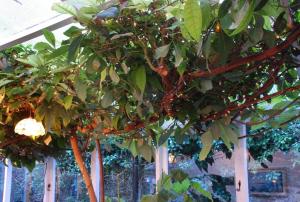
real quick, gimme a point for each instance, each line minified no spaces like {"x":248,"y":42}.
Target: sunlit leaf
{"x":193,"y":18}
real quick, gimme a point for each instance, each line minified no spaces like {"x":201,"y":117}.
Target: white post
{"x":161,"y":161}
{"x":95,"y":168}
{"x":241,"y":167}
{"x":49,"y":181}
{"x":7,"y":181}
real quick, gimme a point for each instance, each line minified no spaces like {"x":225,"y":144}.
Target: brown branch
{"x":146,"y":55}
{"x":249,"y":103}
{"x":273,"y":78}
{"x":292,"y":119}
{"x":269,"y":117}
{"x":13,"y":141}
{"x":253,"y":58}
{"x":83,"y":169}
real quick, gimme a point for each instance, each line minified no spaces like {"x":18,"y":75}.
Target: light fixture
{"x":30,"y":127}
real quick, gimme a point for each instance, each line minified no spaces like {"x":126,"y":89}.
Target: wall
{"x":288,"y":162}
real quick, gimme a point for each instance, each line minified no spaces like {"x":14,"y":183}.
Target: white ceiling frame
{"x":35,"y":31}
{"x":51,"y":24}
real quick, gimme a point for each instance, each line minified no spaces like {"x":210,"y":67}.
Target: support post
{"x":95,"y":173}
{"x":7,"y":181}
{"x":49,"y":181}
{"x":241,"y":167}
{"x":161,"y":161}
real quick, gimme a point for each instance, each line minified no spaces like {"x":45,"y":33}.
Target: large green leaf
{"x":162,"y":51}
{"x":193,"y":18}
{"x":40,"y":46}
{"x":49,"y":36}
{"x":2,"y":94}
{"x":114,"y":76}
{"x":207,"y":141}
{"x":81,"y":89}
{"x":68,"y":101}
{"x":107,"y":99}
{"x":146,"y":151}
{"x":140,"y":78}
{"x":181,"y":187}
{"x":33,"y":60}
{"x":178,"y":57}
{"x":64,"y":8}
{"x":243,"y":17}
{"x":74,"y":47}
{"x":197,"y":186}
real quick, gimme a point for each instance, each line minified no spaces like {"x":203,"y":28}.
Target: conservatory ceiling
{"x":22,"y":20}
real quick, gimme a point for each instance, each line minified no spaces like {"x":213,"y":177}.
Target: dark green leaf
{"x":74,"y":47}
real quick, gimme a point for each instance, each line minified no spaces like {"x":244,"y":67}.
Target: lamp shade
{"x":30,"y":127}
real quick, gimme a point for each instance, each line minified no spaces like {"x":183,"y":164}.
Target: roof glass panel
{"x":19,"y":15}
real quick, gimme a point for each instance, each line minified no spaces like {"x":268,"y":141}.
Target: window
{"x":267,"y":182}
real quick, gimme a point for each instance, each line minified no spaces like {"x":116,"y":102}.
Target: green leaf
{"x":133,"y":148}
{"x":73,"y":32}
{"x":140,"y":78}
{"x":178,"y":175}
{"x":40,"y":46}
{"x":185,"y":33}
{"x":107,"y":99}
{"x":33,"y":60}
{"x":246,"y":14}
{"x":225,"y":6}
{"x":181,"y":68}
{"x":178,"y":57}
{"x":165,"y":182}
{"x":206,"y":85}
{"x":49,"y":36}
{"x":2,"y":94}
{"x":68,"y":101}
{"x":115,"y":122}
{"x":162,"y":51}
{"x":149,"y":198}
{"x":182,"y":187}
{"x":64,"y":8}
{"x":114,"y":76}
{"x":193,"y":18}
{"x":146,"y":151}
{"x":103,"y":76}
{"x":207,"y":141}
{"x":81,"y":89}
{"x":74,"y":46}
{"x":196,"y":185}
{"x":231,"y":134}
{"x":58,"y":52}
{"x":125,"y":67}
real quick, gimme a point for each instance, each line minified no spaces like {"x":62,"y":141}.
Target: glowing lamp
{"x":30,"y":127}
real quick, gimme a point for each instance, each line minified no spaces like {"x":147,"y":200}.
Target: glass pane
{"x":18,"y":15}
{"x":70,"y":187}
{"x":1,"y":180}
{"x":28,"y":186}
{"x":17,"y":185}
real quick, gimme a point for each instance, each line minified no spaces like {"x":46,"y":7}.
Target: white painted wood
{"x":241,"y":167}
{"x":35,"y":31}
{"x":95,"y":170}
{"x":49,"y":180}
{"x":7,"y":181}
{"x":161,"y":161}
